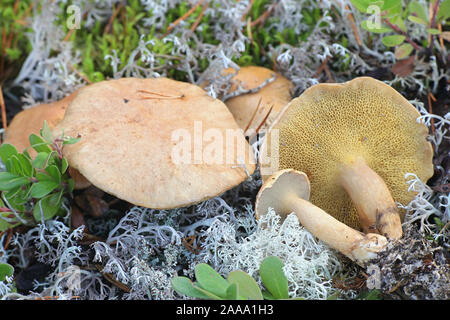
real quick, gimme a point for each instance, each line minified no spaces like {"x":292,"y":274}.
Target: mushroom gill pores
{"x":355,"y":141}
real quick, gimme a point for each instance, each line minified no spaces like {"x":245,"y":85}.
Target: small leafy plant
{"x":239,"y":285}
{"x":33,"y":189}
{"x":390,"y":16}
{"x":6,"y":270}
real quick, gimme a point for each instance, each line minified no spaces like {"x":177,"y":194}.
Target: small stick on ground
{"x":161,"y":95}
{"x":247,"y":10}
{"x":249,"y":29}
{"x":262,"y":18}
{"x":253,"y":116}
{"x":177,"y":22}
{"x":353,"y":23}
{"x":111,"y":19}
{"x":430,"y":97}
{"x":3,"y":109}
{"x":324,"y":67}
{"x":200,"y":16}
{"x":112,"y":279}
{"x":264,"y":120}
{"x":399,"y":31}
{"x":80,"y":74}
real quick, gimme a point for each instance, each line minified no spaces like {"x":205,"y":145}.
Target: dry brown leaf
{"x":404,"y":67}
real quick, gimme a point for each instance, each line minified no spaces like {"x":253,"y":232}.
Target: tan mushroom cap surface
{"x":331,"y":125}
{"x":275,"y":94}
{"x":132,"y":131}
{"x":31,"y":121}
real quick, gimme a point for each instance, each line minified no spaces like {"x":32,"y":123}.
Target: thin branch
{"x":200,"y":16}
{"x":399,"y":31}
{"x":264,"y":16}
{"x":3,"y":109}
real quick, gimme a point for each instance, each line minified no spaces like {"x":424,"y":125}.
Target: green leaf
{"x":185,"y":286}
{"x":403,"y":51}
{"x":399,"y":22}
{"x":444,"y":11}
{"x":48,"y":206}
{"x":38,"y":144}
{"x":267,"y":295}
{"x":6,"y":270}
{"x":9,"y":181}
{"x":392,"y":41}
{"x":391,"y":4}
{"x":368,"y":26}
{"x":69,"y":140}
{"x":6,"y":151}
{"x":41,"y":159}
{"x":232,"y":292}
{"x":13,"y":165}
{"x":417,"y":9}
{"x":248,"y":287}
{"x":64,"y":165}
{"x":361,"y":5}
{"x":417,"y":20}
{"x":41,"y":189}
{"x":54,"y":172}
{"x":433,"y":31}
{"x":71,"y":185}
{"x":46,"y":133}
{"x":273,"y":277}
{"x":4,"y":225}
{"x":210,"y":280}
{"x":25,"y":162}
{"x":44,"y":177}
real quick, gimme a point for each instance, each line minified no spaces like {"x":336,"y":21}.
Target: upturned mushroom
{"x":31,"y":121}
{"x":157,"y":143}
{"x":355,"y":141}
{"x":287,"y":191}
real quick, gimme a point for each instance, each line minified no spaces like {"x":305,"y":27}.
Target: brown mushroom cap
{"x":127,"y":141}
{"x":275,"y":95}
{"x":31,"y":121}
{"x":331,"y":126}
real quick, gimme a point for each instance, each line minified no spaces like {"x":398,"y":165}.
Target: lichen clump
{"x":412,"y":268}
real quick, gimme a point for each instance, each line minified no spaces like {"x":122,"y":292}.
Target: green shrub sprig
{"x":239,"y":285}
{"x":32,"y":189}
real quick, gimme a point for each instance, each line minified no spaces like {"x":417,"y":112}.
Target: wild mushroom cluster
{"x":342,"y":149}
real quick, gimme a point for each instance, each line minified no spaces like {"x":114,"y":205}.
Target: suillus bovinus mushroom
{"x":257,"y":110}
{"x":131,"y":129}
{"x":355,"y":141}
{"x":31,"y":121}
{"x":287,"y":191}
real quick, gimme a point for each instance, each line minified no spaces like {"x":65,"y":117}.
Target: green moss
{"x":123,"y":33}
{"x":14,"y":46}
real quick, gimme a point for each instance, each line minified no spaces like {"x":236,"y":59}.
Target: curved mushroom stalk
{"x":372,"y":198}
{"x":288,"y":190}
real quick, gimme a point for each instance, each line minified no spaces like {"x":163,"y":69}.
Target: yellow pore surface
{"x":332,"y":124}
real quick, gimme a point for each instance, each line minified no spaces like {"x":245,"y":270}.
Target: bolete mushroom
{"x":355,"y":141}
{"x":157,"y":143}
{"x":31,"y":121}
{"x":287,"y":191}
{"x":257,"y":110}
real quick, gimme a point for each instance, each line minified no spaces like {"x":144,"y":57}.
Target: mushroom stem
{"x":372,"y":199}
{"x":355,"y":245}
